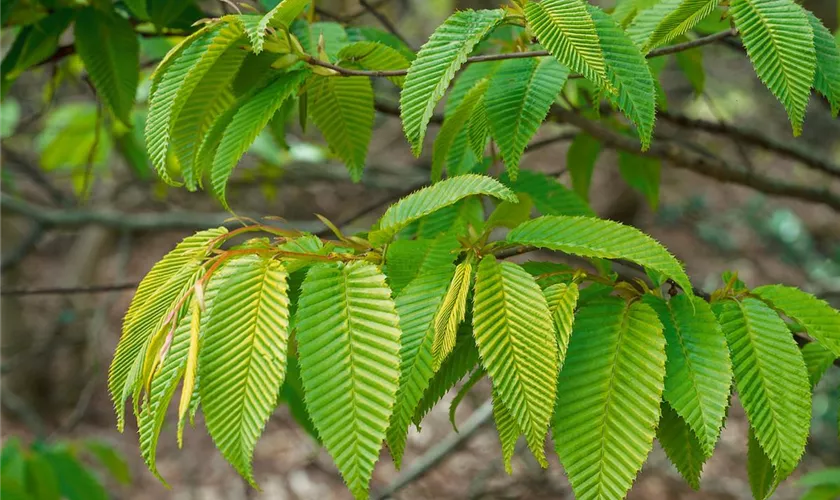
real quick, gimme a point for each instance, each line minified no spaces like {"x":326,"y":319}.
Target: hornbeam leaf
{"x":433,"y":198}
{"x":760,"y":472}
{"x":608,"y":396}
{"x":455,"y":124}
{"x":349,"y":350}
{"x":247,"y":122}
{"x":153,"y":300}
{"x":280,"y":17}
{"x":566,"y":29}
{"x":342,"y":109}
{"x":827,"y":75}
{"x":518,"y":99}
{"x":416,"y":305}
{"x":820,"y":320}
{"x":771,"y":378}
{"x":562,"y":299}
{"x":108,"y":46}
{"x":698,"y":371}
{"x":435,"y":66}
{"x":375,"y":56}
{"x":668,"y":20}
{"x":243,"y":356}
{"x":514,"y":335}
{"x":451,"y":313}
{"x":681,"y":445}
{"x":592,"y":237}
{"x":549,"y":195}
{"x":507,"y":429}
{"x":780,"y":43}
{"x":462,"y":360}
{"x":818,"y":359}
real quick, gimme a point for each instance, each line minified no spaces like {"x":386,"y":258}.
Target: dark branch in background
{"x":787,"y":150}
{"x":12,"y":258}
{"x":119,"y":287}
{"x":708,"y":166}
{"x":384,"y":21}
{"x":345,"y":19}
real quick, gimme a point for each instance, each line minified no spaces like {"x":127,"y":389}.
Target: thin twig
{"x":70,"y":291}
{"x":384,"y":21}
{"x":341,"y":71}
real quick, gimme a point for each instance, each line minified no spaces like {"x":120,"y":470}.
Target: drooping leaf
{"x":827,"y":75}
{"x":371,"y":34}
{"x":33,"y":44}
{"x":110,"y":459}
{"x":771,"y":379}
{"x":642,"y":174}
{"x":518,"y":99}
{"x":349,"y":350}
{"x":243,"y":356}
{"x":454,"y":125}
{"x":629,"y":73}
{"x":451,"y":313}
{"x":108,"y":46}
{"x":435,"y":66}
{"x":465,"y":81}
{"x":514,"y":335}
{"x":608,"y":396}
{"x":690,"y":63}
{"x":433,"y":198}
{"x":698,"y":371}
{"x":247,"y":122}
{"x":818,"y":359}
{"x":74,"y":480}
{"x":681,"y":445}
{"x":580,"y":160}
{"x":416,"y":305}
{"x":152,"y":301}
{"x":668,"y":20}
{"x":592,"y":237}
{"x":780,"y":43}
{"x":177,"y":80}
{"x":549,"y":196}
{"x":506,"y":428}
{"x":562,"y":301}
{"x":760,"y":472}
{"x":820,"y":320}
{"x":566,"y":29}
{"x":342,"y":109}
{"x":462,"y":360}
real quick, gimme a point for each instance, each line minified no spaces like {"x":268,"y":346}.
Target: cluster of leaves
{"x":53,"y":471}
{"x":364,"y":334}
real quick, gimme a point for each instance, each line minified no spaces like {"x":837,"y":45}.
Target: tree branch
{"x":788,"y":150}
{"x":708,"y":166}
{"x":384,"y":21}
{"x":699,"y":42}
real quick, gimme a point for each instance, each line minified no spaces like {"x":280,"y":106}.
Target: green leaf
{"x":335,"y":38}
{"x":818,"y":359}
{"x":292,"y":394}
{"x":590,"y":237}
{"x":462,"y":360}
{"x":375,"y":56}
{"x":510,"y":215}
{"x":513,"y":332}
{"x":608,"y":396}
{"x":74,"y":481}
{"x":41,"y":480}
{"x":342,"y":109}
{"x":548,"y":194}
{"x":465,"y":81}
{"x":246,"y":124}
{"x":580,"y":160}
{"x":417,"y":305}
{"x":433,"y":198}
{"x":280,"y":17}
{"x":629,"y":73}
{"x":690,"y":63}
{"x":562,"y":300}
{"x":668,"y":20}
{"x":113,"y":462}
{"x":34,"y":44}
{"x":771,"y":379}
{"x":642,"y":174}
{"x":164,"y":12}
{"x":760,"y":472}
{"x":827,"y":75}
{"x":451,"y":313}
{"x":349,"y":351}
{"x":566,"y":29}
{"x":435,"y":66}
{"x":780,"y":43}
{"x":108,"y":46}
{"x":243,"y":356}
{"x":518,"y":100}
{"x":698,"y":371}
{"x":177,"y":78}
{"x":681,"y":445}
{"x":371,"y":34}
{"x":507,"y":429}
{"x":455,"y":124}
{"x":153,"y":299}
{"x":820,"y":320}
